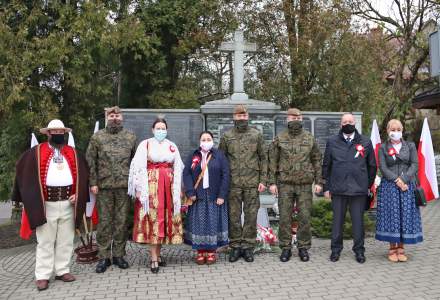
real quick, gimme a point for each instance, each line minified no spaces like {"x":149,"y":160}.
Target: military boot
{"x":102,"y":265}
{"x":248,"y":255}
{"x":285,"y":255}
{"x":235,"y":254}
{"x":303,"y":254}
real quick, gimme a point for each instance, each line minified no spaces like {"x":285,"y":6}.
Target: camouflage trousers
{"x":111,"y":234}
{"x":246,"y":199}
{"x":288,"y":194}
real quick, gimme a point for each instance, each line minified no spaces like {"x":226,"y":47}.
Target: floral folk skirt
{"x":398,"y":217}
{"x":206,"y":224}
{"x":160,"y":225}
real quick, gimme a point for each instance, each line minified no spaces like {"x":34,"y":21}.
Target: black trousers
{"x":357,"y":209}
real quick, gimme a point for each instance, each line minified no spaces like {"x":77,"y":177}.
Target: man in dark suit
{"x":349,"y":169}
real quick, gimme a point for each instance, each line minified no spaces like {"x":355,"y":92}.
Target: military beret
{"x":112,"y":110}
{"x":240,"y":109}
{"x":294,"y":112}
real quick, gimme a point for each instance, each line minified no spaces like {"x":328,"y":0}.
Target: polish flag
{"x":25,"y":228}
{"x":427,"y":172}
{"x":375,"y":140}
{"x":34,"y":140}
{"x":71,"y":140}
{"x":91,"y":210}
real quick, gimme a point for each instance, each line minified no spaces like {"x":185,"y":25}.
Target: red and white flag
{"x":34,"y":140}
{"x":375,"y":140}
{"x":427,"y":172}
{"x":91,"y":210}
{"x":71,"y":140}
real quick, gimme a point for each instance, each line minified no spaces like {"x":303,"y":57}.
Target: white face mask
{"x":206,"y":146}
{"x":395,"y":135}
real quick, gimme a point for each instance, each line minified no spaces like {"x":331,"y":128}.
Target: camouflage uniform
{"x":246,"y":153}
{"x":294,"y":164}
{"x":109,"y":155}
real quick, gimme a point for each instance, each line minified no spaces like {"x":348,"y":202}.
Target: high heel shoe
{"x":154,"y":267}
{"x":162,"y":262}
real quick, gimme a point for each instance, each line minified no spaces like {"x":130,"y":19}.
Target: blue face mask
{"x":160,"y":134}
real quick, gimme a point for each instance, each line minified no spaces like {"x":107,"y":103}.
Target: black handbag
{"x":419,"y":194}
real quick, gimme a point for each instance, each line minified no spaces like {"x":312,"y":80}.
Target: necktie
{"x":348,"y":141}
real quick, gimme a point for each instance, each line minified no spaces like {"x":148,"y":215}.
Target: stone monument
{"x":218,"y":113}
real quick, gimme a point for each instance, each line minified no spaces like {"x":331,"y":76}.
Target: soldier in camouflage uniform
{"x":294,"y":164}
{"x":109,"y":155}
{"x":244,"y":147}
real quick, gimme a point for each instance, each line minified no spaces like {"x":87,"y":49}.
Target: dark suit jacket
{"x":345,"y":173}
{"x":219,"y":179}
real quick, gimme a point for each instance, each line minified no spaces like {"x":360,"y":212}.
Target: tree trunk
{"x":289,"y":17}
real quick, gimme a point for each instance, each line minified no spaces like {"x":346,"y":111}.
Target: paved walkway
{"x":5,"y":212}
{"x":266,"y":278}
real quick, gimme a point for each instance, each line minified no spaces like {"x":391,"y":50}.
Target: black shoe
{"x":303,"y":254}
{"x":102,"y":265}
{"x":360,"y":258}
{"x":234,"y":254}
{"x":162,"y":262}
{"x":334,"y":257}
{"x":285,"y":255}
{"x":248,"y":255}
{"x":120,"y":262}
{"x":154,"y":267}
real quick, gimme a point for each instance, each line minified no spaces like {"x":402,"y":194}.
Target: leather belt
{"x":58,"y":193}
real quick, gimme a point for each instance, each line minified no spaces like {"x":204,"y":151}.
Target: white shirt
{"x":206,"y":174}
{"x":351,"y":136}
{"x":59,"y":174}
{"x":166,"y":151}
{"x":397,"y":147}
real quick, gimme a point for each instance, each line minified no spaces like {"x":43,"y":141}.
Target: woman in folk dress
{"x":206,"y":227}
{"x":155,"y":180}
{"x":398,"y":218}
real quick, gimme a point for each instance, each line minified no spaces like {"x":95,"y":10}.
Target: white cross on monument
{"x":239,"y":46}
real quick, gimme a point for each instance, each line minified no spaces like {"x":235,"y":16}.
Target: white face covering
{"x":395,"y":135}
{"x":206,"y":146}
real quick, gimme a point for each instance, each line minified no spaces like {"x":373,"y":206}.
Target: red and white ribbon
{"x":360,"y":150}
{"x":392,"y":152}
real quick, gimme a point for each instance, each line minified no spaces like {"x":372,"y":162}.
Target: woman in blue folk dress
{"x":398,"y":217}
{"x":206,"y":180}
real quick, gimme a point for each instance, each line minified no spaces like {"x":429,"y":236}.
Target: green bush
{"x":322,"y":216}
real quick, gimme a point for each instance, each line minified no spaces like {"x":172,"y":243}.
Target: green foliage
{"x":75,"y":58}
{"x":71,"y":59}
{"x":322,"y":217}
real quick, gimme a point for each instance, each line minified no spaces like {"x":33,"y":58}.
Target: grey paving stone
{"x":266,"y":278}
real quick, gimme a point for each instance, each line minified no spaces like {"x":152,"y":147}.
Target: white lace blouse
{"x":166,"y":151}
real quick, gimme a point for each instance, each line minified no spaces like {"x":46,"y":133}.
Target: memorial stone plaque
{"x":324,"y":128}
{"x":184,"y":127}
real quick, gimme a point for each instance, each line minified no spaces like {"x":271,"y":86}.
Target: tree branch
{"x":400,"y":12}
{"x":376,"y":15}
{"x":415,"y":68}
